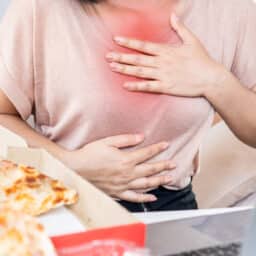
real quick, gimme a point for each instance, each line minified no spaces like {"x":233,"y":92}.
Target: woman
{"x":129,"y":114}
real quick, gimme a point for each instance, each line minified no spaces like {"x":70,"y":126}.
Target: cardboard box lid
{"x":95,"y":209}
{"x":9,"y":138}
{"x":104,"y":218}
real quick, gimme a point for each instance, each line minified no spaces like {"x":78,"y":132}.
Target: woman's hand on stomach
{"x":119,"y":173}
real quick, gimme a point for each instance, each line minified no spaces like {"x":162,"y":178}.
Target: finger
{"x":122,"y":141}
{"x":134,"y":197}
{"x":144,"y":154}
{"x":147,"y":86}
{"x":136,"y":71}
{"x":146,"y":170}
{"x":132,"y":59}
{"x":149,"y":183}
{"x":185,"y":34}
{"x":184,"y":91}
{"x":138,"y":45}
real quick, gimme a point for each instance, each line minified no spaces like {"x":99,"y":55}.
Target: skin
{"x":121,"y":174}
{"x":177,"y":70}
{"x":142,"y":5}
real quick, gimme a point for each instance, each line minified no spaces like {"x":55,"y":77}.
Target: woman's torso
{"x":79,"y":100}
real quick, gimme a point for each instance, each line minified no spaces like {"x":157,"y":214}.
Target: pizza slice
{"x":20,"y":234}
{"x":25,"y":188}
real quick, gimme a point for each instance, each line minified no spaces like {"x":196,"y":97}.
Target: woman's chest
{"x":77,"y":81}
{"x":84,"y":87}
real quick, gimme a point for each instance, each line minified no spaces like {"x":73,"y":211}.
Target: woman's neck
{"x":141,"y":19}
{"x":144,"y":6}
{"x":140,"y":5}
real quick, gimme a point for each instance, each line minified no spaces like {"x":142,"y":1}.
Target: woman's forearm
{"x":236,"y":105}
{"x":33,"y":139}
{"x":103,"y":161}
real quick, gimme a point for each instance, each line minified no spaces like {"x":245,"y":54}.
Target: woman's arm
{"x":10,"y":118}
{"x":188,"y":71}
{"x":217,"y":119}
{"x":236,"y":105}
{"x":120,"y":174}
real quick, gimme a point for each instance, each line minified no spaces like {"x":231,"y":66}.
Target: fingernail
{"x":165,"y":145}
{"x":119,"y":39}
{"x":128,"y":85}
{"x":111,"y":56}
{"x":172,"y":165}
{"x":139,"y":137}
{"x":153,"y":198}
{"x":114,"y":66}
{"x":175,"y":18}
{"x":168,"y":179}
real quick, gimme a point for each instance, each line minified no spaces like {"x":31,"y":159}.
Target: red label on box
{"x":76,"y":244}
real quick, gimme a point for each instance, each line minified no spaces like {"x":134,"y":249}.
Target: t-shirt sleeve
{"x":244,"y":66}
{"x":16,"y":56}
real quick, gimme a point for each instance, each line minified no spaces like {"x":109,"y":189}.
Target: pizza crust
{"x":25,"y":188}
{"x":22,"y":235}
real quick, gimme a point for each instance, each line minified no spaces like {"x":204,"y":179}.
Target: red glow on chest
{"x":150,"y":27}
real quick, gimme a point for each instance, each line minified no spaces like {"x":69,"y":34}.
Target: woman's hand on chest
{"x":181,"y":70}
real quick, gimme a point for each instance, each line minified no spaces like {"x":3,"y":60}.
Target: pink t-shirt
{"x":52,"y":65}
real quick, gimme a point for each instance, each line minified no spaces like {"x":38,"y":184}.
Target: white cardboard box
{"x":103,"y":218}
{"x":95,"y":212}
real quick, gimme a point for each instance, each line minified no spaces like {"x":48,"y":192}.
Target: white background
{"x":3,"y":5}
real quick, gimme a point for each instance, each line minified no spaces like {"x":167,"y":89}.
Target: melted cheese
{"x":21,"y":235}
{"x":26,"y":189}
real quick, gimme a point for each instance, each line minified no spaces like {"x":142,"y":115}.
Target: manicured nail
{"x":153,"y":198}
{"x":175,"y":18}
{"x":172,"y":165}
{"x":168,"y":179}
{"x":139,"y":137}
{"x":119,"y":39}
{"x":114,"y":66}
{"x":128,"y":85}
{"x":165,"y":145}
{"x":111,"y":56}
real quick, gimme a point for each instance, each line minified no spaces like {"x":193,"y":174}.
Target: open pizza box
{"x":96,"y":216}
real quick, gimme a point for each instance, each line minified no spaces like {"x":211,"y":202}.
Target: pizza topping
{"x":21,"y":235}
{"x":26,"y":189}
